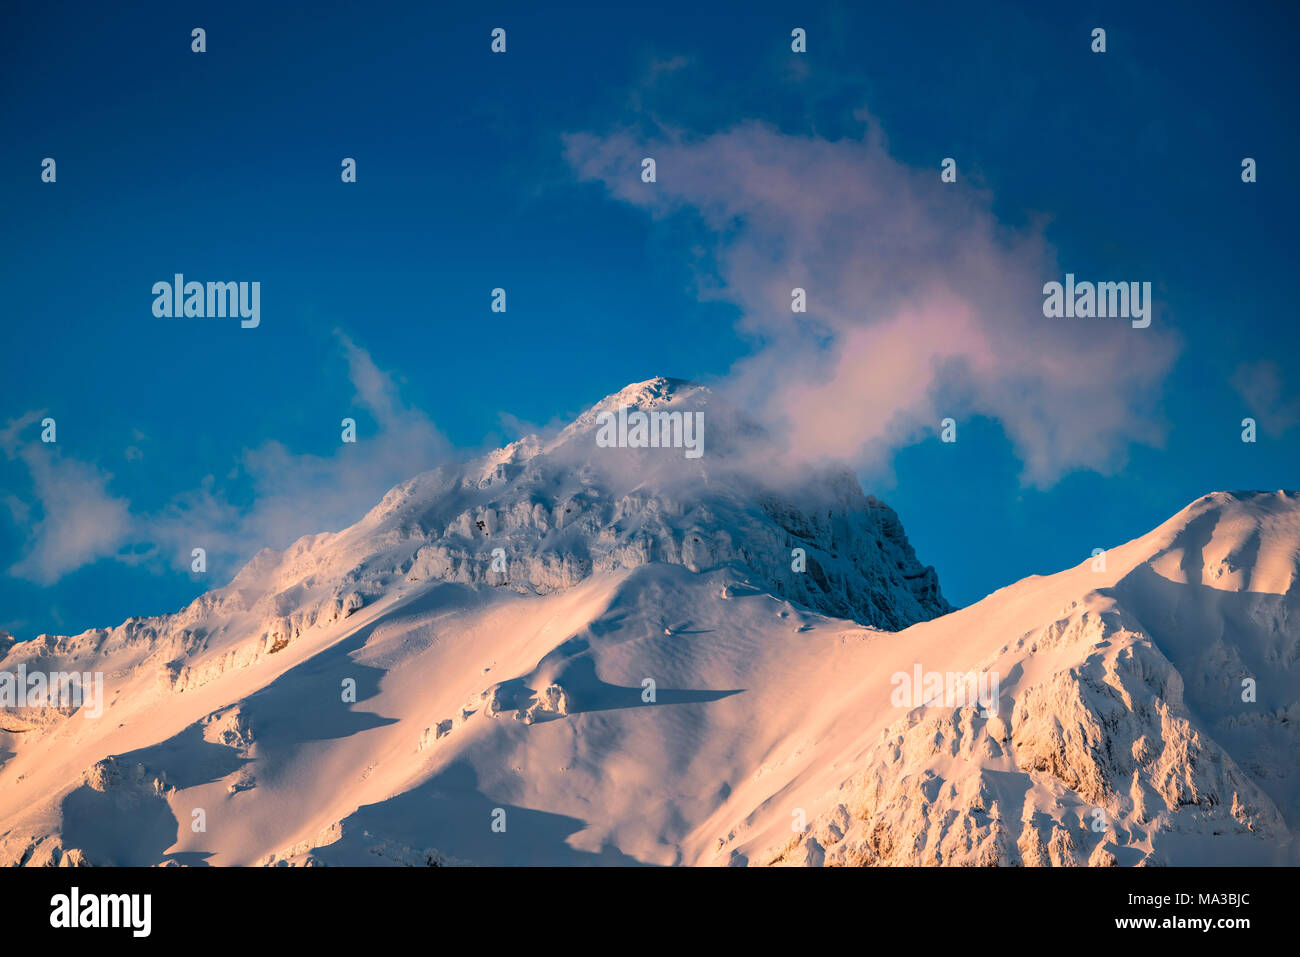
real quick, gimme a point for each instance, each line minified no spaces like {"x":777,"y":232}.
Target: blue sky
{"x":478,"y":170}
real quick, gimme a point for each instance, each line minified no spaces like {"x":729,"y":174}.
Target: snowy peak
{"x":1233,"y":541}
{"x":665,"y":405}
{"x":1145,"y":713}
{"x":541,"y":515}
{"x":538,"y":516}
{"x":647,"y":396}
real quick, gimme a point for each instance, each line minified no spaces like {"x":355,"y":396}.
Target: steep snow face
{"x":622,"y":693}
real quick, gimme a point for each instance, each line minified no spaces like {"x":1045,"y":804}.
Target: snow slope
{"x":650,"y":682}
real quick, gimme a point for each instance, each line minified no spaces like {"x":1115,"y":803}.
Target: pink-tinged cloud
{"x":921,"y":305}
{"x":1261,"y":389}
{"x":79,"y":520}
{"x":71,"y":519}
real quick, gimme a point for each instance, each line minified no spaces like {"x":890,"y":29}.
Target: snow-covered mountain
{"x":1149,"y":713}
{"x":565,"y":652}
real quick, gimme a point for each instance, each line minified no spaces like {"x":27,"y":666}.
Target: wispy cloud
{"x":79,"y":520}
{"x":1260,"y":386}
{"x":73,"y":519}
{"x":921,"y":305}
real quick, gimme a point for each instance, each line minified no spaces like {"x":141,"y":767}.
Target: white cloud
{"x":920,"y":304}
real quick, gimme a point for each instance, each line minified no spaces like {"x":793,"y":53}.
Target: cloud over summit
{"x":921,"y":304}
